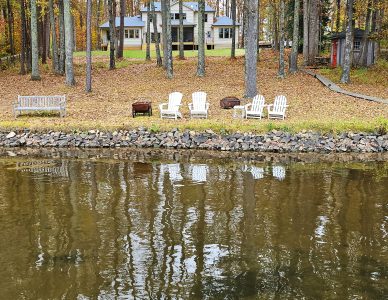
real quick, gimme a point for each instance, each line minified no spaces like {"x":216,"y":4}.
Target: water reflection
{"x":192,"y":229}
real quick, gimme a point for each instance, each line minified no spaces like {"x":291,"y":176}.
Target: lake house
{"x":218,"y":30}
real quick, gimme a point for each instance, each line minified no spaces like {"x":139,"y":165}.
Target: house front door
{"x":334,"y":46}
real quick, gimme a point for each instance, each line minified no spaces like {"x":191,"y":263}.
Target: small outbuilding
{"x":338,"y":48}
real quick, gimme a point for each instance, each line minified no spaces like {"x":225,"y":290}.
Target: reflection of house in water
{"x":279,"y":172}
{"x":173,"y":170}
{"x":199,"y":173}
{"x":46,"y":167}
{"x":257,"y":173}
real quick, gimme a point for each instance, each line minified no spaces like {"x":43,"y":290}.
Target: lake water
{"x":181,"y":226}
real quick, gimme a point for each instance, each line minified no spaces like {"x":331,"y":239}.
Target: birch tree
{"x":345,"y":76}
{"x":181,"y":45}
{"x":281,"y":72}
{"x":69,"y":43}
{"x":250,"y":10}
{"x":112,"y":34}
{"x":169,"y":66}
{"x":54,"y":47}
{"x":201,"y":39}
{"x":295,"y":39}
{"x":34,"y":43}
{"x":120,"y":50}
{"x":148,"y":33}
{"x":233,"y":11}
{"x":156,"y":35}
{"x":62,"y":52}
{"x":88,"y":46}
{"x":23,"y":40}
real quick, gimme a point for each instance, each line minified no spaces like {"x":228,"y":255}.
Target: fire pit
{"x":229,"y":102}
{"x":141,"y":107}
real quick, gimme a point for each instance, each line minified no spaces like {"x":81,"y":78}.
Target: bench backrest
{"x":41,"y":101}
{"x":199,"y":101}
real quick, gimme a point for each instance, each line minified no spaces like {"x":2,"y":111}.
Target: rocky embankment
{"x":274,"y":141}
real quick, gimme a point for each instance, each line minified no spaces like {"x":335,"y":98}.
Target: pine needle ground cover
{"x":108,"y":107}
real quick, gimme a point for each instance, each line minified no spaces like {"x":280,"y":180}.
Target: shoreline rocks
{"x":273,"y":141}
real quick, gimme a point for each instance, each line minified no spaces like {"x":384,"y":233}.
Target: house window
{"x":356,"y":45}
{"x":205,"y":18}
{"x":225,"y":33}
{"x":175,"y":16}
{"x":150,"y":17}
{"x":131,"y":33}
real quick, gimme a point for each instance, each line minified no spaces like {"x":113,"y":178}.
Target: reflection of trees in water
{"x":151,"y":230}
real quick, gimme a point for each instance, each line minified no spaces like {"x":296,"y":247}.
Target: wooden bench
{"x":40,"y":103}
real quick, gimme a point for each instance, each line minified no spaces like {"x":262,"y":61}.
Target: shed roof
{"x":358,"y":33}
{"x":191,"y":5}
{"x":224,"y":21}
{"x":128,"y":22}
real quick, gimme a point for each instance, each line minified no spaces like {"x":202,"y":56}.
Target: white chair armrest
{"x":162,"y":105}
{"x":207,"y":105}
{"x":190,"y":106}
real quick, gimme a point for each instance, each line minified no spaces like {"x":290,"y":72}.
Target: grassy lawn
{"x":311,"y":105}
{"x":140,"y":54}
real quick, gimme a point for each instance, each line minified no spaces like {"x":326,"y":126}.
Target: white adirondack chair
{"x":255,"y":109}
{"x":277,"y":110}
{"x":199,"y":107}
{"x":170,"y":110}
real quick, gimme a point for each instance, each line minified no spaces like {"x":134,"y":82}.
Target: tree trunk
{"x":88,"y":46}
{"x":34,"y":43}
{"x":164,"y":31}
{"x":69,"y":44}
{"x":338,"y":17}
{"x":201,"y":38}
{"x":233,"y":49}
{"x":112,"y":35}
{"x":281,"y":72}
{"x":305,"y":31}
{"x":363,"y":57}
{"x":275,"y":27}
{"x":55,"y":61}
{"x":295,"y":39}
{"x":43,"y":39}
{"x":251,"y":48}
{"x":345,"y":77}
{"x":62,"y":51}
{"x":314,"y":26}
{"x":98,"y":24}
{"x":169,"y":66}
{"x":48,"y":36}
{"x":120,"y":51}
{"x":10,"y":30}
{"x":148,"y":34}
{"x":181,"y":45}
{"x":23,"y":48}
{"x":156,"y":35}
{"x":217,"y":8}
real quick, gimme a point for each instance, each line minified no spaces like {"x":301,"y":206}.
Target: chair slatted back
{"x":280,"y":104}
{"x":174,"y":100}
{"x":258,"y":103}
{"x":199,"y":101}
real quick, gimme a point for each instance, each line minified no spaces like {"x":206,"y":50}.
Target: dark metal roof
{"x":358,"y":33}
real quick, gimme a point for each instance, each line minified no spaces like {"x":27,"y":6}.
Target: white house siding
{"x":133,"y":43}
{"x":221,"y":43}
